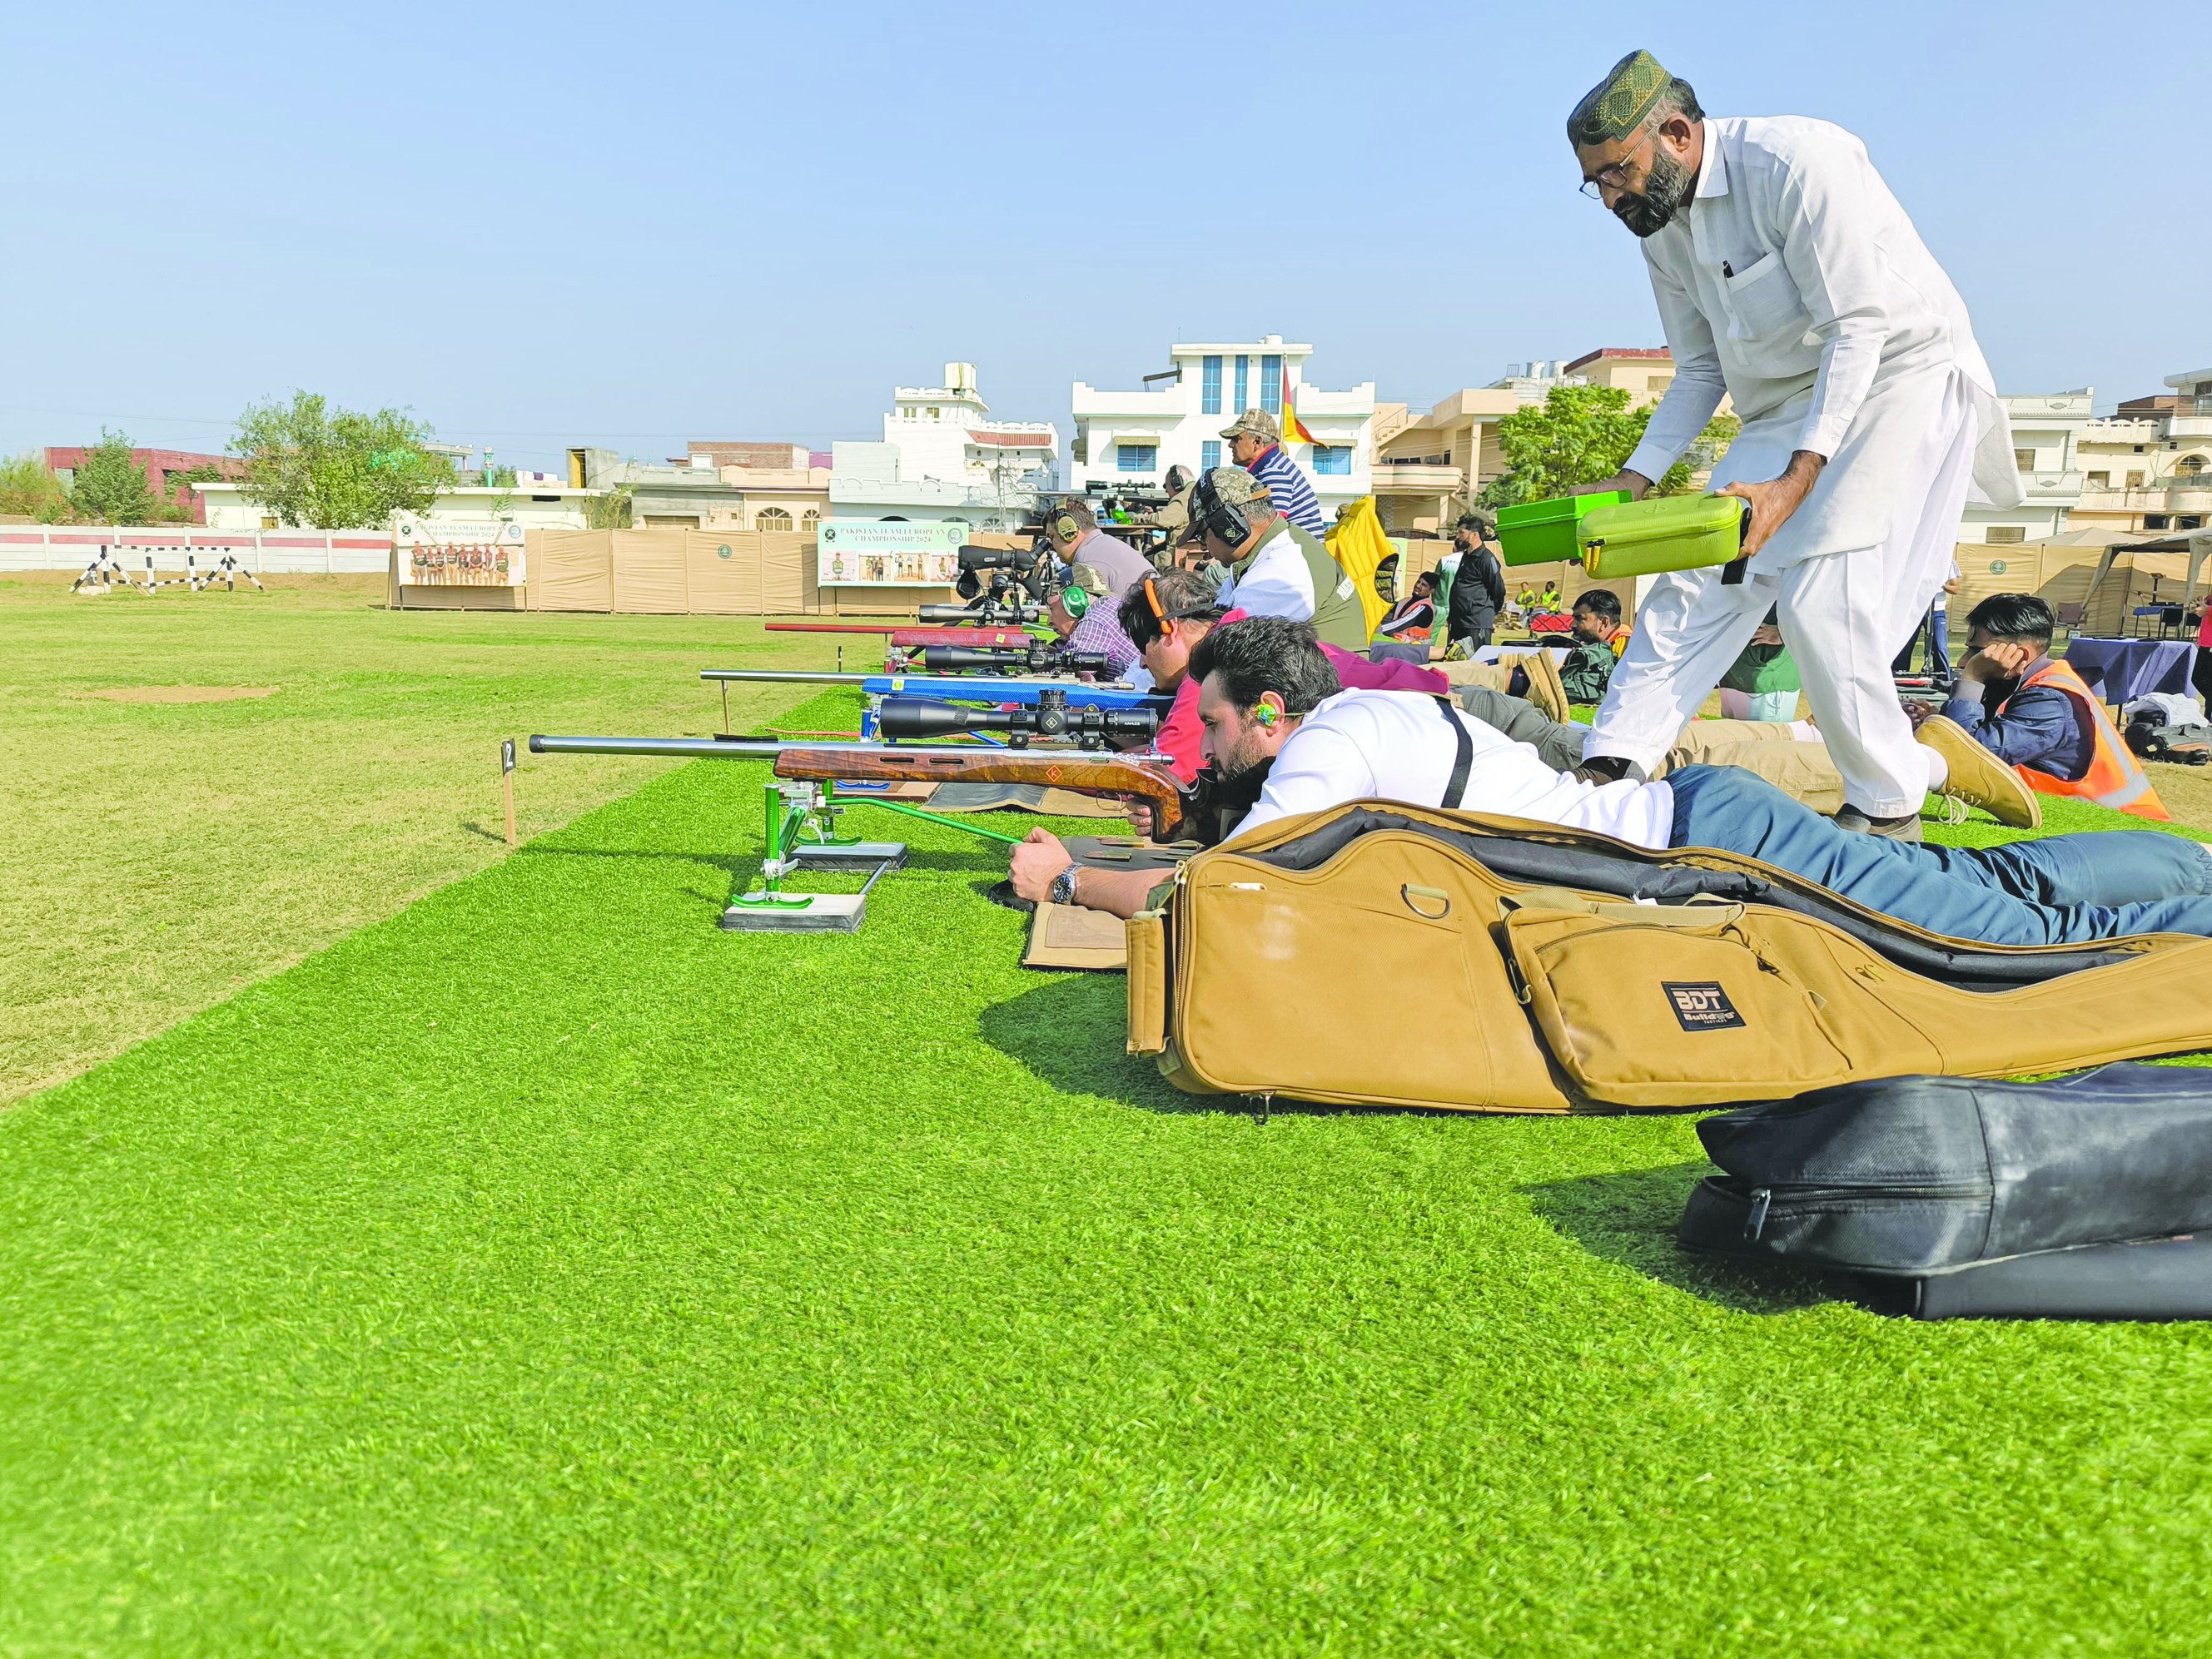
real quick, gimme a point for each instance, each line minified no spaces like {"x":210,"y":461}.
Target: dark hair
{"x":1184,"y":595}
{"x":1428,"y":576}
{"x":2013,"y":616}
{"x":1601,"y":602}
{"x":1481,"y":523}
{"x":1681,"y":99}
{"x":1260,"y":654}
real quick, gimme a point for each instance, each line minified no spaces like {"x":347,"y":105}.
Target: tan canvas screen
{"x":649,"y":571}
{"x":570,"y":570}
{"x":723,"y":571}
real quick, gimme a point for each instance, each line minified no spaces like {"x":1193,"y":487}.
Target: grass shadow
{"x":1072,"y":1031}
{"x":1630,"y":1218}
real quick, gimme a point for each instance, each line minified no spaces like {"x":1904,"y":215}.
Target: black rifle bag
{"x":1915,"y":1175}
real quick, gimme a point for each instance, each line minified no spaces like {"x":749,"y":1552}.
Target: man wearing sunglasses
{"x":1790,"y":278}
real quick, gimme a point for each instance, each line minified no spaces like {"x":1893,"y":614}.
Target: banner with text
{"x":861,"y":553}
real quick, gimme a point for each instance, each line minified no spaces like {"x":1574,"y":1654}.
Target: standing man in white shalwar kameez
{"x":1790,"y":279}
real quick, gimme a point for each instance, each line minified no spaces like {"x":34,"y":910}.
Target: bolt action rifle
{"x":1039,"y":657}
{"x":1178,"y":812}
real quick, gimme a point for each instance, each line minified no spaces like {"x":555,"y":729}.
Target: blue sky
{"x":550,"y":224}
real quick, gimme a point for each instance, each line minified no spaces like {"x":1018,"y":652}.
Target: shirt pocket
{"x":1764,"y":305}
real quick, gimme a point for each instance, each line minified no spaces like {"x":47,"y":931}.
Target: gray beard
{"x":1664,"y":192}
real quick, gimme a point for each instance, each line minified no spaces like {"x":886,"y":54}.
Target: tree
{"x":610,"y":510}
{"x":28,"y":489}
{"x":333,"y":469}
{"x":1581,"y":433}
{"x":110,"y":487}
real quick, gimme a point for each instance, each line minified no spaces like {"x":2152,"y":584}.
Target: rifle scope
{"x":991,"y":613}
{"x":1050,"y":717}
{"x":1015,"y":659}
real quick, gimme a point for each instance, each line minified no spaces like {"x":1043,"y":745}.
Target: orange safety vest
{"x":2115,"y":777}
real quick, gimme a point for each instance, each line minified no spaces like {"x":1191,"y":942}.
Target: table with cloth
{"x":2120,"y":670}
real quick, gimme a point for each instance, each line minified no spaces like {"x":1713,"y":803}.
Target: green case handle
{"x":1732,"y":572}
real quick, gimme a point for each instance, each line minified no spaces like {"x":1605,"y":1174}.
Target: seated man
{"x":1255,"y":443}
{"x":1072,"y":529}
{"x":2036,"y":714}
{"x":1275,"y":569}
{"x":1082,"y":615}
{"x":1598,"y":638}
{"x":1409,"y":626}
{"x":1268,"y":699}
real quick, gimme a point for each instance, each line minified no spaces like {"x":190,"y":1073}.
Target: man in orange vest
{"x":2037,"y":715}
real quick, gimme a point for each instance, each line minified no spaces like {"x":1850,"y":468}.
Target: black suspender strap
{"x":1462,"y":763}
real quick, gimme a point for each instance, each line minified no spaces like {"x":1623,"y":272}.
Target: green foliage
{"x":1582,"y":433}
{"x":110,"y":487}
{"x":610,"y":511}
{"x":335,"y":469}
{"x":29,"y":488}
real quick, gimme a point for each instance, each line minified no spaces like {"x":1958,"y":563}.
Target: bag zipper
{"x":1762,"y":1198}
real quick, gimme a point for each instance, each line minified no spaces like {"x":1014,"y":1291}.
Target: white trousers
{"x":1842,"y":615}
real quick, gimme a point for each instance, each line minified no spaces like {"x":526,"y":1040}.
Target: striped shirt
{"x":1288,"y":490}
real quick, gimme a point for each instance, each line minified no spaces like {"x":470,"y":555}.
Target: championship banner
{"x":862,"y":553}
{"x":458,"y":552}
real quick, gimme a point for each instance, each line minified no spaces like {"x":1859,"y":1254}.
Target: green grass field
{"x":539,"y":1269}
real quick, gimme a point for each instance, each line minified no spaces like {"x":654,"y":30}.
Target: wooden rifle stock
{"x":1149,"y":781}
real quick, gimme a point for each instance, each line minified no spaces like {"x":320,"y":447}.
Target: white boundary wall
{"x":265,"y":552}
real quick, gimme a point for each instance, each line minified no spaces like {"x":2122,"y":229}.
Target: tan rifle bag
{"x":1381,"y":954}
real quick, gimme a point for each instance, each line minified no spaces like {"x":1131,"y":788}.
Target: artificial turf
{"x":545,"y":1270}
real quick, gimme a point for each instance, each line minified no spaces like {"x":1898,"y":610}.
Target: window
{"x":2190,"y":465}
{"x":2024,"y":459}
{"x":1209,"y":386}
{"x":2156,"y":521}
{"x":2100,"y":480}
{"x":1271,"y":384}
{"x":1136,"y":458}
{"x":2135,"y":480}
{"x":1243,"y":384}
{"x":2006,"y":534}
{"x":772,"y":518}
{"x":1657,"y":385}
{"x":809,"y":520}
{"x":1209,"y":455}
{"x":1333,"y":461}
{"x":2190,"y":522}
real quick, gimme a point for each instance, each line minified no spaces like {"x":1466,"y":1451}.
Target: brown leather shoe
{"x":1904,"y":827}
{"x":1980,"y":778}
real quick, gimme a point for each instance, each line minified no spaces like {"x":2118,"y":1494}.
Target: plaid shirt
{"x":1100,"y":629}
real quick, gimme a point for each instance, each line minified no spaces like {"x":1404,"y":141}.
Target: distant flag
{"x":1294,"y":431}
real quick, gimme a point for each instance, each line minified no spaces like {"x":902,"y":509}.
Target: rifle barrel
{"x":768,"y":748}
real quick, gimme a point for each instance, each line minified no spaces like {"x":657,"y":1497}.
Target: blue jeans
{"x":2067,"y":890}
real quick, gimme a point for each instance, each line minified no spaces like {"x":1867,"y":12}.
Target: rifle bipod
{"x":802,"y":834}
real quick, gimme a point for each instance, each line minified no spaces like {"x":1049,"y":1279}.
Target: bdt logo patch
{"x":1700,"y":1005}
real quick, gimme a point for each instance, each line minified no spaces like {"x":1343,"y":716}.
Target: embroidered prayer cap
{"x":1616,"y":106}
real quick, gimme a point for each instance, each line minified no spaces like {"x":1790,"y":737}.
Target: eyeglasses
{"x":1614,"y":177}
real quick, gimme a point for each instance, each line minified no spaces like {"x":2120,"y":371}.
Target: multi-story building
{"x":943,"y":458}
{"x":1643,"y":372}
{"x":1176,"y":420}
{"x":779,"y":486}
{"x":1532,"y":382}
{"x":2046,"y":438}
{"x":1428,"y":468}
{"x":533,"y":505}
{"x":2148,"y":468}
{"x":169,"y":473}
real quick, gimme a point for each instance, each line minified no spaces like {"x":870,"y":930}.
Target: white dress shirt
{"x":1794,"y":283}
{"x":1276,"y":583}
{"x":1393,"y":745}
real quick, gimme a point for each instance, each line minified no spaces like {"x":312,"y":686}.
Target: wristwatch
{"x":1063,"y":886}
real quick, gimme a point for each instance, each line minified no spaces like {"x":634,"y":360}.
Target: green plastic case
{"x":1673,"y":532}
{"x":1549,"y":532}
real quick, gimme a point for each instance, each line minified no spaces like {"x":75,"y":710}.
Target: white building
{"x":1133,"y":437}
{"x":536,"y":505}
{"x":943,"y":458}
{"x":2047,"y":432}
{"x":1532,"y":381}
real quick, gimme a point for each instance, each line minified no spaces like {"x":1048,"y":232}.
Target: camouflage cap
{"x":1086,"y":578}
{"x":1259,"y":424}
{"x":1232,"y":486}
{"x":1616,"y":107}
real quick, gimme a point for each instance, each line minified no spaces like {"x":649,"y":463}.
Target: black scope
{"x":904,"y":718}
{"x":1013,"y":659}
{"x":989,"y":615}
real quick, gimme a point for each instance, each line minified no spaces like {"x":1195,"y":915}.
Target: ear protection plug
{"x":1265,"y":714}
